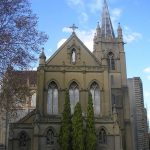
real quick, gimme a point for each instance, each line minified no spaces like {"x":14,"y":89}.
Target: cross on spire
{"x":73,"y":27}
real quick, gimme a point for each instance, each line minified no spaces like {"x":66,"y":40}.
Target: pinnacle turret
{"x":119,"y":31}
{"x":98,"y":30}
{"x":42,"y":58}
{"x":42,"y":55}
{"x":107,"y":28}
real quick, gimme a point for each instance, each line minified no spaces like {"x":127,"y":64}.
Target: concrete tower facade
{"x":138,"y":114}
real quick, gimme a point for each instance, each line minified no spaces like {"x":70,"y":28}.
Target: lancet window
{"x":95,"y":91}
{"x":23,"y":139}
{"x":74,"y":95}
{"x":50,"y":137}
{"x":102,"y":137}
{"x":52,"y":99}
{"x":111,"y":61}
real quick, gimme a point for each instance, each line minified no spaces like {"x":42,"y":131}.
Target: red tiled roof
{"x":27,"y":76}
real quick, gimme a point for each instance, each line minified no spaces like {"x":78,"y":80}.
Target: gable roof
{"x":73,"y":35}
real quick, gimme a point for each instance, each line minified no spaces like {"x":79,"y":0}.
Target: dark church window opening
{"x":50,"y":137}
{"x":52,"y":99}
{"x":74,"y":95}
{"x":23,"y":139}
{"x":111,"y":61}
{"x":102,"y":137}
{"x":73,"y":56}
{"x":113,"y":99}
{"x":95,"y":91}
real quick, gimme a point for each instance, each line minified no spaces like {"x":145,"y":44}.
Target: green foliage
{"x":90,"y":126}
{"x":65,"y":131}
{"x":77,"y":129}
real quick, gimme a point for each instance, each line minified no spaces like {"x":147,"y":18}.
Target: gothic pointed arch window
{"x":111,"y":61}
{"x":95,"y":91}
{"x":23,"y":139}
{"x":50,"y":139}
{"x":74,"y":95}
{"x":102,"y":137}
{"x":73,"y":56}
{"x":52,"y":99}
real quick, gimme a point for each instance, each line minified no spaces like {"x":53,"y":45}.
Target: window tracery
{"x":95,"y":91}
{"x":50,"y":137}
{"x":111,"y":61}
{"x":52,"y":99}
{"x":102,"y":137}
{"x":23,"y":139}
{"x":74,"y":95}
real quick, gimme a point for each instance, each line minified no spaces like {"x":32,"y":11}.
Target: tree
{"x":19,"y":38}
{"x":19,"y":43}
{"x":13,"y":94}
{"x":65,"y":131}
{"x":90,"y":126}
{"x":77,"y":129}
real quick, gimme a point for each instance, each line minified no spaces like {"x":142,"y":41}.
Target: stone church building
{"x":76,"y":69}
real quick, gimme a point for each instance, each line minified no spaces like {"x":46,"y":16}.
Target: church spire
{"x":107,"y":28}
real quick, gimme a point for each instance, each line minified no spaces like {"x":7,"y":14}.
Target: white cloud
{"x":95,"y":6}
{"x":67,"y":30}
{"x":148,"y":77}
{"x":147,"y":94}
{"x":85,"y":36}
{"x":115,"y":15}
{"x":147,"y":70}
{"x":131,"y":36}
{"x":134,"y":36}
{"x":80,"y":7}
{"x":61,"y":42}
{"x":83,"y":18}
{"x":73,"y":3}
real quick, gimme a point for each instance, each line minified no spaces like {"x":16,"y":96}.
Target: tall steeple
{"x":107,"y":28}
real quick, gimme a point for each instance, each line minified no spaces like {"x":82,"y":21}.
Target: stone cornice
{"x":74,"y":68}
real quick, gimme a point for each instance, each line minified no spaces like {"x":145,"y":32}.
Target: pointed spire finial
{"x":107,"y":28}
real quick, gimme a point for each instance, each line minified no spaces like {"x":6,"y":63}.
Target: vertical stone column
{"x":106,"y":100}
{"x":40,"y":90}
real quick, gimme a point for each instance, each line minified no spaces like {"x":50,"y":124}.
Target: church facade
{"x":76,"y":69}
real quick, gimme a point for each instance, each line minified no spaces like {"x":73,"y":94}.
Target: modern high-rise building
{"x":138,"y":114}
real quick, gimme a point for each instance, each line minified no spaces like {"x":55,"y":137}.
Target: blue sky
{"x":55,"y":16}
